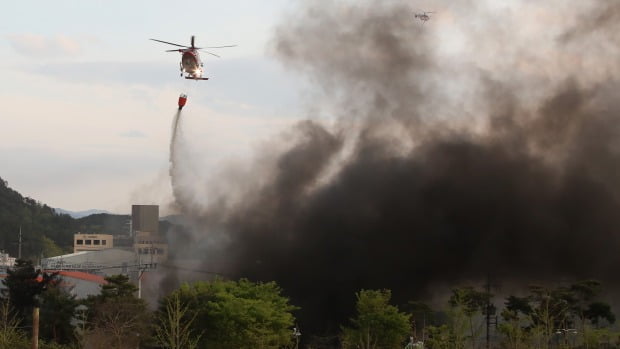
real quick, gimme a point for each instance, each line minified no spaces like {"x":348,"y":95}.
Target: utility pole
{"x":491,"y":317}
{"x":35,"y":328}
{"x":488,"y":312}
{"x":423,"y":327}
{"x":19,"y":251}
{"x":143,"y":268}
{"x":140,"y":272}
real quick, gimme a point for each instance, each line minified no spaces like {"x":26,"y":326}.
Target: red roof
{"x":83,"y":276}
{"x":73,"y":274}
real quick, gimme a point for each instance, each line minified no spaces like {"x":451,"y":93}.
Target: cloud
{"x":258,"y":82}
{"x":116,"y":73}
{"x":133,"y":134}
{"x":39,"y":45}
{"x":247,"y":75}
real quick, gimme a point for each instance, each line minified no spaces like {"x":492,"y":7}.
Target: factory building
{"x":150,"y":247}
{"x":99,"y":255}
{"x":92,"y":242}
{"x":144,"y":218}
{"x":105,"y":262}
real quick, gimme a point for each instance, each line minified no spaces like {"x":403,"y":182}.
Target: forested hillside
{"x":45,"y":232}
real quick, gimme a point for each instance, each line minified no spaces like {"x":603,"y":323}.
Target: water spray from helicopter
{"x":192,"y":68}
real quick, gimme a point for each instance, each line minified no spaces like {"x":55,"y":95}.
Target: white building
{"x":81,"y":284}
{"x":6,"y":261}
{"x":107,"y":262}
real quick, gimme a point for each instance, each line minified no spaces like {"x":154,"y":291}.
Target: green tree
{"x":468,"y":302}
{"x":35,"y":220}
{"x":422,"y":316}
{"x":24,"y":286}
{"x":117,"y":286}
{"x":550,"y":311}
{"x":440,"y":337}
{"x":57,"y":312}
{"x":117,"y":319}
{"x":602,"y":338}
{"x":598,"y":311}
{"x":560,"y":315}
{"x":378,"y":325}
{"x":585,"y":307}
{"x":50,"y":248}
{"x":174,"y":328}
{"x":237,"y":314}
{"x":10,"y":335}
{"x":516,"y":316}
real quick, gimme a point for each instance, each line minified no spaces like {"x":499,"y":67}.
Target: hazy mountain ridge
{"x":48,"y":231}
{"x":80,"y":214}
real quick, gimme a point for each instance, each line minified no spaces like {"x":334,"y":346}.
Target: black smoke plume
{"x":446,"y":162}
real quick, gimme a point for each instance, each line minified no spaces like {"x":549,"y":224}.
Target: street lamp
{"x":296,"y":333}
{"x":564,"y":332}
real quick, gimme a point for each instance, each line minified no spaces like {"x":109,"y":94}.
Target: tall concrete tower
{"x":144,"y":218}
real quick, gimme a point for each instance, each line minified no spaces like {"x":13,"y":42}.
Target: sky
{"x":87,"y":100}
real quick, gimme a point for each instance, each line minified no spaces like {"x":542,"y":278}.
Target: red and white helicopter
{"x":423,"y":16}
{"x":190,"y":58}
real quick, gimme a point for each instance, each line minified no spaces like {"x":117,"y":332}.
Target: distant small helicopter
{"x":190,"y":58}
{"x":423,"y":16}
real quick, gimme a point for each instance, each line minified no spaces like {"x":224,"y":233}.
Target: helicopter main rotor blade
{"x":169,"y":43}
{"x":212,"y":54}
{"x":177,"y":50}
{"x":198,"y":48}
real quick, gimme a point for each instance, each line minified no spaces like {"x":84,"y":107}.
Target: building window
{"x":79,"y":242}
{"x":103,"y":242}
{"x":88,"y":242}
{"x":97,"y":242}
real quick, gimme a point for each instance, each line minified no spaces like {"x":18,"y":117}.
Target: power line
{"x":201,"y":271}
